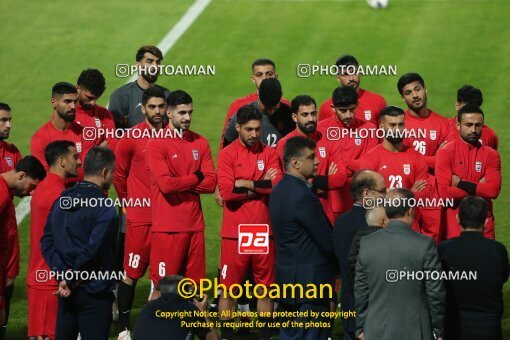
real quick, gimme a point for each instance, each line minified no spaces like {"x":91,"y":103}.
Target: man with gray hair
{"x":366,"y":187}
{"x":395,"y":297}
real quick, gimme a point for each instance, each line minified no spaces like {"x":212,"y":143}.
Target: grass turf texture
{"x":450,"y":43}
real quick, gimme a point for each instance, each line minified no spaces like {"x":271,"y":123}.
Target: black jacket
{"x":474,"y":307}
{"x":151,"y":325}
{"x":346,"y":227}
{"x":304,"y":247}
{"x":82,"y":237}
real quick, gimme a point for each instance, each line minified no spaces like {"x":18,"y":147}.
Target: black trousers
{"x":289,"y":333}
{"x":89,"y":315}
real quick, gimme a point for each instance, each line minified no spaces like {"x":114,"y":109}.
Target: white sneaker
{"x":124,"y":335}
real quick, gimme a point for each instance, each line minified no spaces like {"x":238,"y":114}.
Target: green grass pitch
{"x":450,"y":43}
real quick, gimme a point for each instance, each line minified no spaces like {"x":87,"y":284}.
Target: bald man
{"x":376,"y":219}
{"x":366,"y":186}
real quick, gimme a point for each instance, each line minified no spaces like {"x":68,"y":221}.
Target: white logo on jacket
{"x":368,"y":114}
{"x":260,"y":164}
{"x":433,"y":134}
{"x":322,"y":152}
{"x":478,"y":166}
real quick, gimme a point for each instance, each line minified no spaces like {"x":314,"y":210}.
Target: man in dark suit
{"x":474,"y":307}
{"x":395,"y":293}
{"x":365,"y":186}
{"x":304,"y":246}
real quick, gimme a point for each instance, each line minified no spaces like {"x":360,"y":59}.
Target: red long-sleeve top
{"x":175,"y":188}
{"x":99,"y":118}
{"x":43,"y":198}
{"x":132,"y":176}
{"x":237,"y":161}
{"x":6,"y":214}
{"x":437,"y":133}
{"x":351,"y":148}
{"x":489,"y":137}
{"x":369,"y":107}
{"x":9,"y":157}
{"x":48,"y":133}
{"x":399,"y":169}
{"x":470,"y":163}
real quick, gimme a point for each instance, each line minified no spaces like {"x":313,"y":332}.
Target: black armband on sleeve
{"x":200,"y":176}
{"x":320,"y":182}
{"x":468,"y":187}
{"x":262,"y":184}
{"x":238,"y":190}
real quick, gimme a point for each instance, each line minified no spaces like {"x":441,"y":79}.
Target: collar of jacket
{"x":398,"y":225}
{"x":471,"y":234}
{"x":296,"y":178}
{"x":87,"y":184}
{"x":254,"y":149}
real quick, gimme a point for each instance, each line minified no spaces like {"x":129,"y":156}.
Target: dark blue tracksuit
{"x":82,"y":238}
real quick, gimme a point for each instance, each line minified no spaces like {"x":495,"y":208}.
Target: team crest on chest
{"x":368,"y":114}
{"x":322,"y":152}
{"x":357,"y":141}
{"x":78,"y":146}
{"x":8,"y":159}
{"x":407,"y":169}
{"x":478,"y":167}
{"x":260,"y":164}
{"x":433,"y":134}
{"x":98,"y":122}
{"x":195,"y":154}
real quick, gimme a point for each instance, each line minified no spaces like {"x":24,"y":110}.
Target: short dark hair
{"x":468,"y":109}
{"x":178,"y":97}
{"x":32,"y":167}
{"x":473,"y":212}
{"x":262,"y":62}
{"x":5,"y":107}
{"x":63,"y":88}
{"x":97,"y":159}
{"x":403,"y":197}
{"x":468,"y":94}
{"x":344,"y":96}
{"x":56,"y":149}
{"x":152,"y":92}
{"x":300,"y":101}
{"x":270,"y":92}
{"x":346,"y":60}
{"x":247,"y":113}
{"x":392,"y":111}
{"x":295,"y":147}
{"x":148,"y":49}
{"x":92,"y":80}
{"x":361,"y":180}
{"x":169,"y":284}
{"x":409,"y":78}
